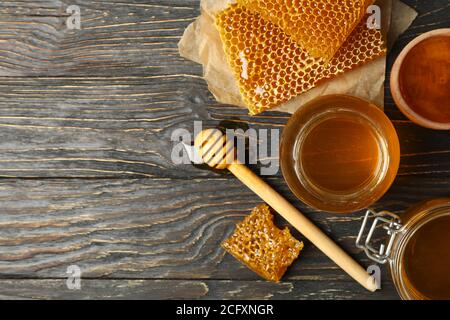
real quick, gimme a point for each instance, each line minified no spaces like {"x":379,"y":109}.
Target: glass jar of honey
{"x":339,"y":153}
{"x":417,"y":248}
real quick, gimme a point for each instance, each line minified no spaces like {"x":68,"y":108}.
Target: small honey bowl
{"x":420,"y":80}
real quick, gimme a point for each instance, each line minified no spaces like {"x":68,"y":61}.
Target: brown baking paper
{"x":201,"y":43}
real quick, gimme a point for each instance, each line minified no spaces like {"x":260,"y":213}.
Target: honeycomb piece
{"x":319,"y":26}
{"x":271,"y":68}
{"x":261,"y":246}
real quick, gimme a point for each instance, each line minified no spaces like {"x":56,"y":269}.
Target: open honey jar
{"x":420,"y":80}
{"x":417,"y":248}
{"x":339,"y":153}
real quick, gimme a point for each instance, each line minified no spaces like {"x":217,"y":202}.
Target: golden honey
{"x":415,"y":245}
{"x":419,"y":260}
{"x":424,"y":79}
{"x":320,"y":27}
{"x":427,"y":259}
{"x":271,"y":68}
{"x":339,"y":153}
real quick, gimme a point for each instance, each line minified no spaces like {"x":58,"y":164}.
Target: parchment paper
{"x":201,"y":43}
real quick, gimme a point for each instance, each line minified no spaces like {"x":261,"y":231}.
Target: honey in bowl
{"x":339,"y":153}
{"x":420,"y":80}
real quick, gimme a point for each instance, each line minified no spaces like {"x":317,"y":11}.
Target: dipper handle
{"x":303,"y":225}
{"x":218,"y":152}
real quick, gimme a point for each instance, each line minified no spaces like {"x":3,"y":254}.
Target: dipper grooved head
{"x":214,"y":148}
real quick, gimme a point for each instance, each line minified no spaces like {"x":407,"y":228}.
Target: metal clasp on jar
{"x":391,"y":223}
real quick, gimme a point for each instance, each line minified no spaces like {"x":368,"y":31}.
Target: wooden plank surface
{"x":85,"y":123}
{"x":65,"y":111}
{"x":137,"y":228}
{"x":122,"y":128}
{"x":186,"y":289}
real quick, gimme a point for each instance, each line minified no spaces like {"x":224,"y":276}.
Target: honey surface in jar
{"x":427,"y":259}
{"x":424,"y":79}
{"x":340,"y":154}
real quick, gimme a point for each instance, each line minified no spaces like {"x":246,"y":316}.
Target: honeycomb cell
{"x":261,"y":246}
{"x":319,"y":26}
{"x":259,"y":62}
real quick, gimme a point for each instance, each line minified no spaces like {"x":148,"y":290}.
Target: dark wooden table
{"x":85,"y":123}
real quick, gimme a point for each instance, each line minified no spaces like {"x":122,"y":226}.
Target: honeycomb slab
{"x":261,"y":246}
{"x":319,"y":26}
{"x":271,"y":68}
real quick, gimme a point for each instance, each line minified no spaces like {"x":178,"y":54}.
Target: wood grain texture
{"x":86,"y":118}
{"x":151,"y":228}
{"x":122,"y":128}
{"x":66,"y":111}
{"x":116,"y":38}
{"x":186,"y":289}
{"x":156,"y":228}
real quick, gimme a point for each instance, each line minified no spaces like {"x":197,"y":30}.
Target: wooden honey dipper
{"x":218,"y":152}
